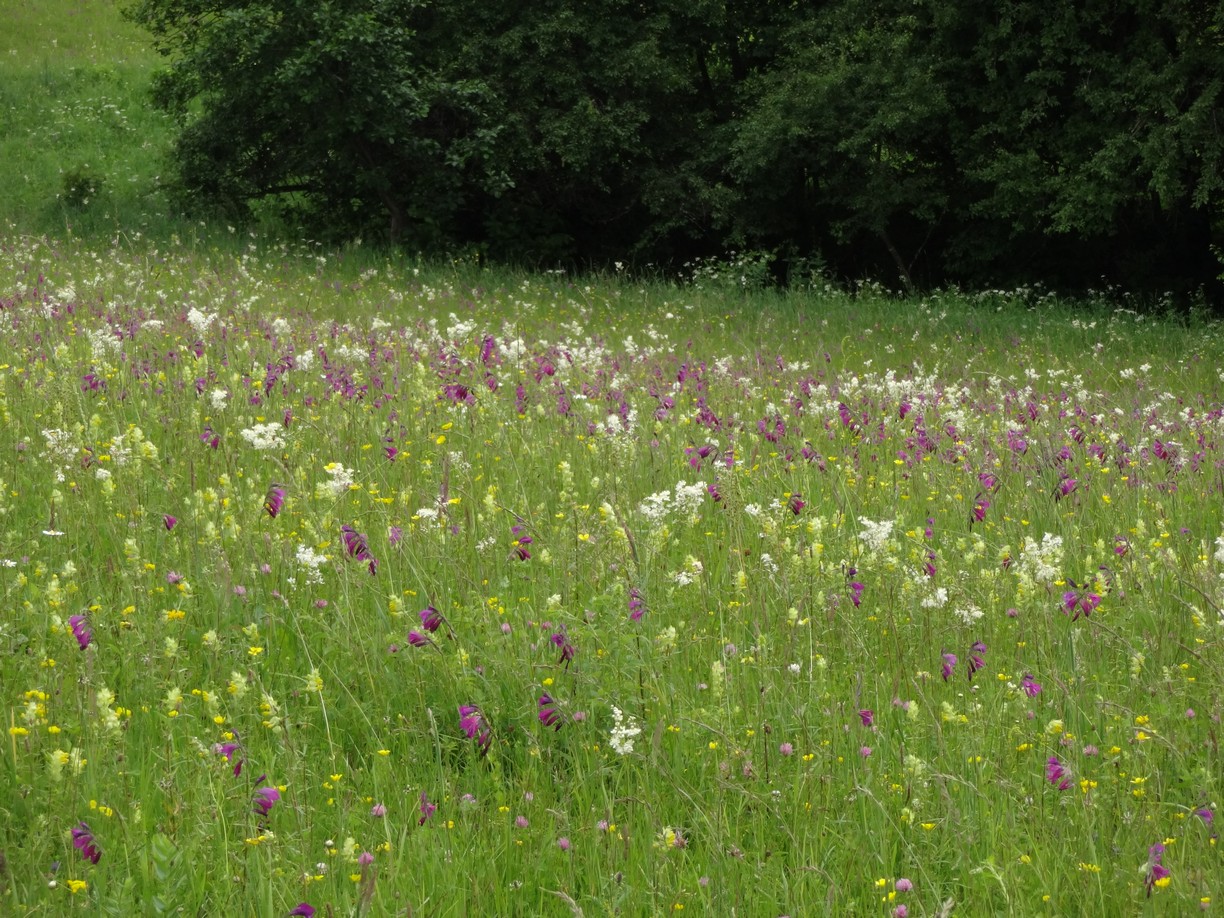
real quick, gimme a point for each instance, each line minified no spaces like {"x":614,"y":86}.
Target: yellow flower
{"x":76,"y":886}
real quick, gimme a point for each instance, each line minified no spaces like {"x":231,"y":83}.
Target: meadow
{"x":340,"y":583}
{"x":344,"y":583}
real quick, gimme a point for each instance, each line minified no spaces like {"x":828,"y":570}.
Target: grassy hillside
{"x":81,"y":148}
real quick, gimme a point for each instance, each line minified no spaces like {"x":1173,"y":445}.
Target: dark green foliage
{"x":922,"y":142}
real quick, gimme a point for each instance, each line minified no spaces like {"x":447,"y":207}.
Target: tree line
{"x":920,"y":142}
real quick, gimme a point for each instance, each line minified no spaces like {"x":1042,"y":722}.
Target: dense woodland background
{"x":921,"y":142}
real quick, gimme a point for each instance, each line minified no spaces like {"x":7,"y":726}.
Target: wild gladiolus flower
{"x":80,"y":630}
{"x":169,"y":521}
{"x":856,"y":593}
{"x":1065,"y":488}
{"x":431,"y":619}
{"x":521,"y":541}
{"x":637,"y":607}
{"x":227,"y":750}
{"x":83,"y":841}
{"x":980,"y":505}
{"x":568,"y":650}
{"x":427,"y":809}
{"x":357,"y":548}
{"x":976,"y":660}
{"x":302,"y":910}
{"x":796,"y":503}
{"x":1029,"y":686}
{"x":274,"y":500}
{"x":265,"y":798}
{"x":1156,"y":871}
{"x":949,"y":666}
{"x":1057,"y":774}
{"x":416,"y":639}
{"x":473,"y":723}
{"x":867,"y":716}
{"x":549,"y":715}
{"x":1079,"y":601}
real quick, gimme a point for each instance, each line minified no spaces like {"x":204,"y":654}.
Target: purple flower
{"x":867,"y":716}
{"x":274,"y":500}
{"x":976,"y":660}
{"x":549,"y":715}
{"x":472,"y":722}
{"x":949,"y":666}
{"x":796,"y":503}
{"x":856,"y":593}
{"x":1029,"y":686}
{"x":302,"y":910}
{"x":1065,"y":488}
{"x":1079,"y":601}
{"x":568,"y":650}
{"x":227,"y":750}
{"x":1205,"y":814}
{"x":80,"y":630}
{"x":379,"y":810}
{"x":265,"y":798}
{"x":356,"y":546}
{"x":980,"y":505}
{"x":431,"y":619}
{"x":903,"y":885}
{"x":1057,"y":774}
{"x":83,"y":841}
{"x":1156,"y":870}
{"x":637,"y":607}
{"x":416,"y":639}
{"x":564,"y":843}
{"x":427,"y":809}
{"x":169,"y":521}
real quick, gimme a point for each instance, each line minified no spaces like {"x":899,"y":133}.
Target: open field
{"x":368,"y":585}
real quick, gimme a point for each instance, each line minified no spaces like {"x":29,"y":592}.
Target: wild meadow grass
{"x":82,"y":149}
{"x":338,"y":583}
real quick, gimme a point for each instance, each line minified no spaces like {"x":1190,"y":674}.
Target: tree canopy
{"x":921,"y":142}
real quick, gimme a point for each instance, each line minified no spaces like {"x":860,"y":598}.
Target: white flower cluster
{"x":340,"y":481}
{"x":1041,"y":563}
{"x":218,"y":397}
{"x":684,"y":500}
{"x":200,"y":321}
{"x":876,"y":535}
{"x":1219,"y":552}
{"x":624,"y":729}
{"x":310,"y":561}
{"x":264,"y":436}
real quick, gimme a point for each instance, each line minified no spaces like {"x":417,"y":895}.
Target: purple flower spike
{"x":302,"y":910}
{"x":549,"y":715}
{"x":357,"y":547}
{"x":227,"y":750}
{"x":472,"y":722}
{"x":637,"y":606}
{"x":275,"y":500}
{"x":265,"y":798}
{"x":1156,"y":870}
{"x":568,"y":650}
{"x":431,"y":619}
{"x":949,"y":666}
{"x":83,"y":841}
{"x":427,"y":809}
{"x":1057,"y":774}
{"x":80,"y":630}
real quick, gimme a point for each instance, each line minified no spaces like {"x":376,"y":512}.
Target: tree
{"x":333,"y":107}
